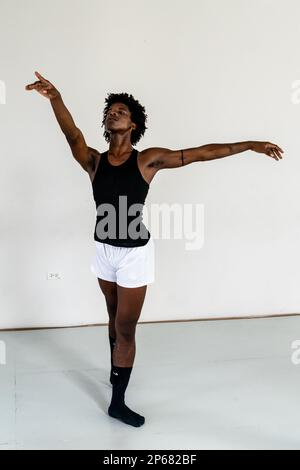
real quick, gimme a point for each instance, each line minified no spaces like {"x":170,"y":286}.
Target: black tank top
{"x":116,"y":188}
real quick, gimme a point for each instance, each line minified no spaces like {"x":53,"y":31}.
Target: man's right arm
{"x":81,"y":152}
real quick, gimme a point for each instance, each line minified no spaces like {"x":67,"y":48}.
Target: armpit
{"x":92,"y":158}
{"x":92,"y":161}
{"x":155,"y":164}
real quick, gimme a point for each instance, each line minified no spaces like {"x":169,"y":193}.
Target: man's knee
{"x":125,"y":328}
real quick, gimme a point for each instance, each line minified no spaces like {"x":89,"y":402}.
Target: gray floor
{"x":226,"y":384}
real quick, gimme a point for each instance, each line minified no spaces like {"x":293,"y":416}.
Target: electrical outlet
{"x":53,"y":276}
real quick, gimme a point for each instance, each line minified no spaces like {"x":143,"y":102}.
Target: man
{"x":124,"y":260}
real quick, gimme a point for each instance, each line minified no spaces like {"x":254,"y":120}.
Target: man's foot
{"x":125,"y":414}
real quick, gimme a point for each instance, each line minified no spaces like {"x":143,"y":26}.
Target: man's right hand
{"x":44,"y":87}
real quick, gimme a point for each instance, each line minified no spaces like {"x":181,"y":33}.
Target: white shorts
{"x":128,"y":267}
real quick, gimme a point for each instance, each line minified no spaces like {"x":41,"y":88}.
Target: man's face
{"x":118,"y":117}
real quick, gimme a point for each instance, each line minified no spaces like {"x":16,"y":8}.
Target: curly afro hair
{"x":138,"y":115}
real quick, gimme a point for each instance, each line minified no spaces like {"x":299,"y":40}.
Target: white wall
{"x":206,"y":71}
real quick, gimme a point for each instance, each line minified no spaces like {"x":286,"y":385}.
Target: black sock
{"x":112,"y":342}
{"x":117,"y":408}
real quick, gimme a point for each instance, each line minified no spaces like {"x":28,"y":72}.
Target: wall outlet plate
{"x":53,"y":276}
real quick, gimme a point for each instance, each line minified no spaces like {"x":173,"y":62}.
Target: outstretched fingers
{"x":33,"y":86}
{"x":40,"y":84}
{"x":41,"y":78}
{"x":275,"y":151}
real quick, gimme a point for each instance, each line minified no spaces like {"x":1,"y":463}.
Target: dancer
{"x":124,"y":259}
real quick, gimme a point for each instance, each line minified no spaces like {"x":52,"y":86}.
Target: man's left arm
{"x":166,"y":158}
